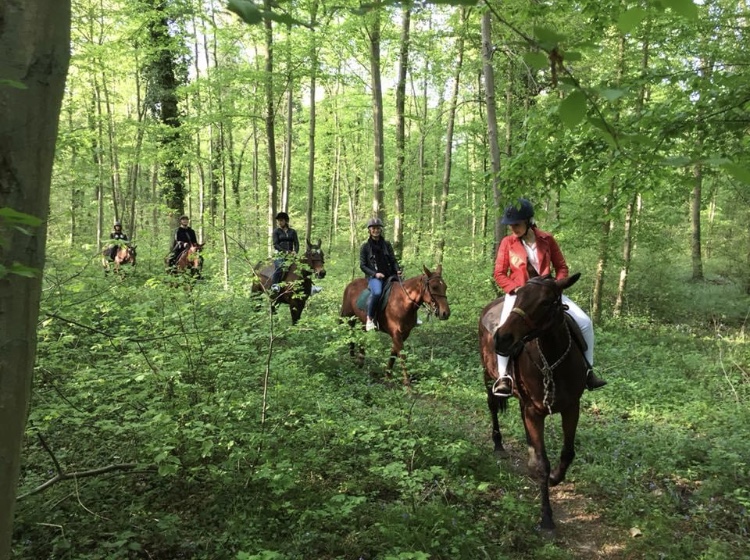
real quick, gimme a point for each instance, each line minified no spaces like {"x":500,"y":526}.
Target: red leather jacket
{"x":511,"y":267}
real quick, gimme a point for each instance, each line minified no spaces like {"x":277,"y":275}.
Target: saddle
{"x":362,"y":299}
{"x":491,"y":322}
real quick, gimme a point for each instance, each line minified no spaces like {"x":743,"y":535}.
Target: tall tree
{"x":373,"y":33}
{"x":35,"y":42}
{"x":270,"y":118}
{"x":403,"y":64}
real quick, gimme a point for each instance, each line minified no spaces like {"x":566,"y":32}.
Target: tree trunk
{"x":286,"y":178}
{"x":311,"y":138}
{"x":35,"y":42}
{"x":449,"y":145}
{"x":403,"y":64}
{"x":270,"y":127}
{"x":377,"y":115}
{"x":489,"y":100}
{"x":695,"y":218}
{"x":163,"y":84}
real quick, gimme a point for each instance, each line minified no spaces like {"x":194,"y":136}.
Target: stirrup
{"x":498,"y":392}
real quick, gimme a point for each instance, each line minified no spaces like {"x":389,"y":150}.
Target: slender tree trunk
{"x":35,"y":42}
{"x":449,"y":143}
{"x":489,"y":100}
{"x":377,"y":114}
{"x":403,"y":64}
{"x":270,"y":126}
{"x":695,"y":217}
{"x":311,"y":137}
{"x":286,"y":179}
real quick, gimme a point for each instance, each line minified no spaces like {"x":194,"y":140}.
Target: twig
{"x":84,"y":474}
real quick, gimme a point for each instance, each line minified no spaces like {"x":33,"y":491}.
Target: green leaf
{"x":572,"y":109}
{"x":22,"y":270}
{"x":677,"y":161}
{"x":612,"y":94}
{"x":572,"y":56}
{"x":13,"y":84}
{"x":685,"y":8}
{"x":630,"y":19}
{"x":16,"y":217}
{"x":248,"y":11}
{"x":548,"y":36}
{"x":536,"y":60}
{"x":738,"y":172}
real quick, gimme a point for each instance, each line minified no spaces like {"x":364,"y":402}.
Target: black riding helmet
{"x":515,"y":215}
{"x":282,"y":216}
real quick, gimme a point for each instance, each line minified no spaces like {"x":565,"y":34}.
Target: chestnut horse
{"x":125,"y":254}
{"x":296,"y":284}
{"x":549,"y":374}
{"x":188,"y":260}
{"x":400,"y":314}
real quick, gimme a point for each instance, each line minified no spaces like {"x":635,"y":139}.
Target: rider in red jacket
{"x":526,"y":253}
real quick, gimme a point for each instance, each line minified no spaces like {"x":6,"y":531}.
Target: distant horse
{"x":400,"y":314}
{"x":549,"y":373}
{"x":296,"y":284}
{"x":125,"y":254}
{"x":188,"y":260}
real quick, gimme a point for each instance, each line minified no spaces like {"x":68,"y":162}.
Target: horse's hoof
{"x":501,"y":453}
{"x":547,"y":532}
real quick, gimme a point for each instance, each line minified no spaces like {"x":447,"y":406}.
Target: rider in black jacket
{"x":285,"y":243}
{"x":378,"y":262}
{"x":183,"y":238}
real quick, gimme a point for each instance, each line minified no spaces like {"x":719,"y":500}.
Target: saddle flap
{"x":491,"y":319}
{"x":362,"y":298}
{"x":577,"y":334}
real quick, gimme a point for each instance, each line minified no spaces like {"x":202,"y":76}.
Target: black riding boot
{"x":592,"y":381}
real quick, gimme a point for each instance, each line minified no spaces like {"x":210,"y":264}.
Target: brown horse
{"x":400,"y":314}
{"x":297,"y":280}
{"x":188,"y":260}
{"x":549,"y":373}
{"x":125,"y":254}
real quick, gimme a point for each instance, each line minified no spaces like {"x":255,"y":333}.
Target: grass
{"x":260,"y":443}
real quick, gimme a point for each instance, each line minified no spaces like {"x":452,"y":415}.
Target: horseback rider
{"x":286,"y":244}
{"x":184,"y":237}
{"x":378,"y":261}
{"x":117,"y":235}
{"x":527,"y":252}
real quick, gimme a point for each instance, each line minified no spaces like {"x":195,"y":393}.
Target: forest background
{"x":168,"y":423}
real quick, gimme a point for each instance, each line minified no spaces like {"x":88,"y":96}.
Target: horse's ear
{"x":426,"y":270}
{"x":439,"y":270}
{"x":320,"y":242}
{"x":308,"y":242}
{"x":565,"y":283}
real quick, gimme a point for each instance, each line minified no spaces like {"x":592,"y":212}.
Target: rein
{"x":420,"y":301}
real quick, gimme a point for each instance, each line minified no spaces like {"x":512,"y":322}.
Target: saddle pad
{"x":266,"y":270}
{"x":362,"y":299}
{"x":491,"y":319}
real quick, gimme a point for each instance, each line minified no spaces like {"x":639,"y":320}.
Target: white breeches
{"x":583,"y":320}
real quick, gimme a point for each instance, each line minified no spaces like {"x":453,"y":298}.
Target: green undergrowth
{"x":243,"y":437}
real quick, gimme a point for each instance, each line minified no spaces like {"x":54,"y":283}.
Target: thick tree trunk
{"x":35,"y":42}
{"x":489,"y":100}
{"x":403,"y":63}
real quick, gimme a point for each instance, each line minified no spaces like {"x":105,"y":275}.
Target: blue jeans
{"x":376,"y":290}
{"x":278,"y":273}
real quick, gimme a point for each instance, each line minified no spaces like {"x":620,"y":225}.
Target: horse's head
{"x":130,"y":251}
{"x":315,"y":259}
{"x":434,"y":293}
{"x":538,"y":307}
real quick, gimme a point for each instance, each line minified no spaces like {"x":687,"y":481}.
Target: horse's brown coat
{"x":400,"y":315}
{"x":536,"y":334}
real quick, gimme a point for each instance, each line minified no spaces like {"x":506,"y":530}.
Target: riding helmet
{"x":374,"y":222}
{"x":282,"y":216}
{"x":184,"y":217}
{"x":117,"y":223}
{"x":516,"y":215}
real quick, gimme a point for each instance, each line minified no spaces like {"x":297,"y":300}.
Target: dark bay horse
{"x":400,"y":314}
{"x":549,"y":374}
{"x":125,"y":255}
{"x":188,"y":260}
{"x":296,"y":282}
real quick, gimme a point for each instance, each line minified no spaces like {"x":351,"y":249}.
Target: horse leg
{"x":568,"y":453}
{"x":534,"y":424}
{"x":494,"y":404}
{"x":398,"y":345}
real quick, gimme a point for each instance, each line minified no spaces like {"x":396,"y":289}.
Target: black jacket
{"x":184,"y":237}
{"x":285,"y":241}
{"x":368,"y":264}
